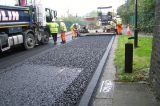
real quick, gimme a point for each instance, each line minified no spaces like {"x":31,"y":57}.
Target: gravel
{"x":56,"y":77}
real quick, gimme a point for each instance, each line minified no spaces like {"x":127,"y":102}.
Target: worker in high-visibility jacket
{"x":53,"y":26}
{"x":119,"y":25}
{"x":63,"y":30}
{"x":74,"y":30}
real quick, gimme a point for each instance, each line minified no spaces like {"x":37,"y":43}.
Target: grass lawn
{"x":141,"y":59}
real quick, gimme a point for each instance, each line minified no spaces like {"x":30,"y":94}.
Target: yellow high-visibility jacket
{"x":53,"y":26}
{"x":63,"y":27}
{"x":73,"y":28}
{"x":119,"y":21}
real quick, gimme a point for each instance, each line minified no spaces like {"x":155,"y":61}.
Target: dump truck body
{"x":24,"y":25}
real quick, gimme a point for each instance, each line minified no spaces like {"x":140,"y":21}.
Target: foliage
{"x":70,"y":19}
{"x":92,"y":14}
{"x":146,"y":13}
{"x":141,"y":59}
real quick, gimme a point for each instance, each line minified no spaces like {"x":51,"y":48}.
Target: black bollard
{"x":128,"y":57}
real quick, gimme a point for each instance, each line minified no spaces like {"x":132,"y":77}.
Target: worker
{"x":113,"y":25}
{"x":63,"y":30}
{"x":53,"y":26}
{"x":119,"y":25}
{"x":74,"y":30}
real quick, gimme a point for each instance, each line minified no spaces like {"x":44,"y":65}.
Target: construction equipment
{"x":83,"y":29}
{"x":105,"y":19}
{"x":25,"y":25}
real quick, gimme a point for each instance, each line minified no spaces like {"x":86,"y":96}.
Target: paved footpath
{"x":111,"y":93}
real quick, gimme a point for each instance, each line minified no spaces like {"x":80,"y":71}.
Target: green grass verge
{"x":141,"y":59}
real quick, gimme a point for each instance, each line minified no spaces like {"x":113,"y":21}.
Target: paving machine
{"x":105,"y":19}
{"x":24,"y":25}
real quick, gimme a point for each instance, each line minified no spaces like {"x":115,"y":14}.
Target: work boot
{"x":63,"y":42}
{"x":55,"y":43}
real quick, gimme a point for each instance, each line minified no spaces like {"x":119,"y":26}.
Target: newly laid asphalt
{"x":57,"y":76}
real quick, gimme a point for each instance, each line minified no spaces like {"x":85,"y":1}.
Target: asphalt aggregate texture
{"x":55,"y":77}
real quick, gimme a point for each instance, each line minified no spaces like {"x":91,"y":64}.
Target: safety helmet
{"x":76,"y":24}
{"x":53,"y":19}
{"x":117,"y":16}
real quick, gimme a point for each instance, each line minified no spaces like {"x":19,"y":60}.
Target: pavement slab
{"x":133,"y":94}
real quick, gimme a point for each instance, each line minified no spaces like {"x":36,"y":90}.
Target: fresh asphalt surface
{"x":50,"y":75}
{"x":18,"y":53}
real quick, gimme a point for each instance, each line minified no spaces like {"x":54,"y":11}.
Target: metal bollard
{"x":128,"y":57}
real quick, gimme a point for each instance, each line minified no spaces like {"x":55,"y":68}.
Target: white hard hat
{"x":53,"y":19}
{"x":76,"y":24}
{"x":117,"y":16}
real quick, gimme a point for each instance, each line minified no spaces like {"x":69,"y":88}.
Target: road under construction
{"x":58,"y":75}
{"x":77,"y":66}
{"x":48,"y":75}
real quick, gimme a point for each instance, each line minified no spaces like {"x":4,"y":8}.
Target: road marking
{"x":61,"y":70}
{"x":101,"y":86}
{"x":106,"y":86}
{"x":79,"y":70}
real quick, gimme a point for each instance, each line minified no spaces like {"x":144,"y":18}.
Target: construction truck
{"x":24,"y":25}
{"x":106,"y":19}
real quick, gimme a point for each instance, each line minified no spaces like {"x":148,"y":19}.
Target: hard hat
{"x":53,"y":19}
{"x":76,"y":24}
{"x":117,"y":16}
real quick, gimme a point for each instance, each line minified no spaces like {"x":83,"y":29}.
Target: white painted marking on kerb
{"x":61,"y":70}
{"x":101,"y":86}
{"x":79,"y":70}
{"x":106,"y":86}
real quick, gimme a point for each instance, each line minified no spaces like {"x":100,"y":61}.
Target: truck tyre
{"x":29,"y":41}
{"x":45,"y":37}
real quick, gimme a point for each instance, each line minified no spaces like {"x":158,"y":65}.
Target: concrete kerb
{"x":87,"y":96}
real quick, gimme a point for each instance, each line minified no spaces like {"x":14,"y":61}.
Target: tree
{"x":92,"y":14}
{"x":146,"y":14}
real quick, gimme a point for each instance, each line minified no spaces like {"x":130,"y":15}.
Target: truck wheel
{"x":29,"y":41}
{"x":45,"y":37}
